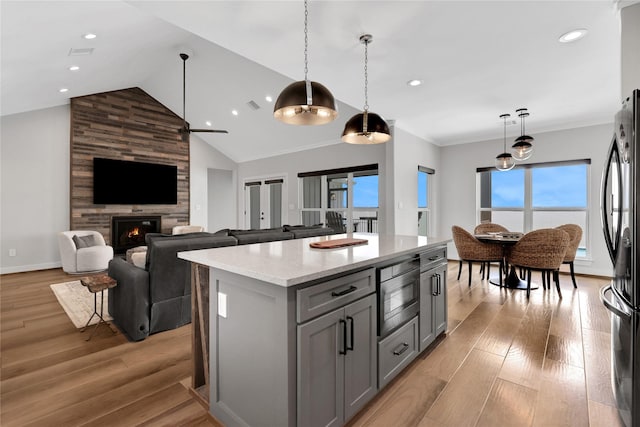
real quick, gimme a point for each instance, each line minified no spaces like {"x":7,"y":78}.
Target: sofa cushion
{"x":223,"y":232}
{"x":246,"y":237}
{"x":83,"y":241}
{"x":139,"y":259}
{"x":302,"y":231}
{"x":169,"y":276}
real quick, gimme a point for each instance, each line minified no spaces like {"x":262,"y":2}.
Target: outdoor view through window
{"x":539,"y":196}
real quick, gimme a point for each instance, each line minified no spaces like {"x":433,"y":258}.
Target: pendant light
{"x":504,"y":161}
{"x":522,"y":149}
{"x":366,"y":127}
{"x":305,"y":102}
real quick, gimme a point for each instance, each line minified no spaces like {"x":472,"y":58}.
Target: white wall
{"x":222,"y":200}
{"x":630,"y":48}
{"x":458,"y":181}
{"x":204,"y":157}
{"x":34,"y":204}
{"x":328,"y":157}
{"x":409,"y":153}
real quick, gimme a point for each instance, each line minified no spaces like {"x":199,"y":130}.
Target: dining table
{"x":506,"y":239}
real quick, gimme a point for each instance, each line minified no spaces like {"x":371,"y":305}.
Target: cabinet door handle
{"x":434,"y":290}
{"x":344,"y":292}
{"x":401,"y":349}
{"x":351,"y":330}
{"x":439,"y":280}
{"x":344,"y":336}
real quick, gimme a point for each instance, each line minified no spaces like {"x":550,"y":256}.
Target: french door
{"x":263,"y":201}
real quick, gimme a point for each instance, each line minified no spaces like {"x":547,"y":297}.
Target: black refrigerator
{"x":619,"y":203}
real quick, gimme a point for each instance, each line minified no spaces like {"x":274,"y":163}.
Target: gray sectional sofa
{"x":158,"y":297}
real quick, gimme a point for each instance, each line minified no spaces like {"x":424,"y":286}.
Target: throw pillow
{"x":83,"y":241}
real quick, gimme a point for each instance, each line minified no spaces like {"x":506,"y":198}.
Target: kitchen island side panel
{"x":253,"y":375}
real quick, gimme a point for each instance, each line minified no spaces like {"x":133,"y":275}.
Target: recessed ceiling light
{"x":234,"y":112}
{"x":74,"y":68}
{"x":268,"y":98}
{"x":63,"y":90}
{"x":414,"y":82}
{"x":208,"y":123}
{"x":89,"y":36}
{"x":572,"y":35}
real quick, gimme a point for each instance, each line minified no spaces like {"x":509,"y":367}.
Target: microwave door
{"x":611,"y":202}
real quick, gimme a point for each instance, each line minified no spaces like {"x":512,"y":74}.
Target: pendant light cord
{"x":505,"y":133}
{"x":306,"y":40}
{"x":366,"y":75}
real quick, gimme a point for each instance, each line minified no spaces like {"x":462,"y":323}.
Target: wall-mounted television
{"x":120,"y":182}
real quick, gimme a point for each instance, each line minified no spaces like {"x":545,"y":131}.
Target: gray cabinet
{"x":396,"y":351}
{"x":337,"y":362}
{"x":433,"y":297}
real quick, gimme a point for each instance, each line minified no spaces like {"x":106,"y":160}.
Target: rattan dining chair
{"x":541,"y":250}
{"x":473,"y":250}
{"x":489,"y":227}
{"x":575,"y":235}
{"x":485,"y":228}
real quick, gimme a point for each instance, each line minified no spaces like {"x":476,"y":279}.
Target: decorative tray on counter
{"x":338,"y":243}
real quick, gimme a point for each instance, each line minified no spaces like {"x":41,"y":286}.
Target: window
{"x":353,"y":192}
{"x":533,"y":196}
{"x":424,"y":211}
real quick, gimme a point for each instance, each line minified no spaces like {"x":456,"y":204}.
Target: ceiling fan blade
{"x":209,"y":130}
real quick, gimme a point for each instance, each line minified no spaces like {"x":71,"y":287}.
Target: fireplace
{"x":129,"y":231}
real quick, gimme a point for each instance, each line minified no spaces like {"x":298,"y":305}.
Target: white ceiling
{"x":478,"y":59}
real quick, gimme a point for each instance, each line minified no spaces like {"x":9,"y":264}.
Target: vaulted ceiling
{"x":477,"y":60}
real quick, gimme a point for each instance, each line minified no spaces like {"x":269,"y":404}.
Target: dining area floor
{"x":507,"y":360}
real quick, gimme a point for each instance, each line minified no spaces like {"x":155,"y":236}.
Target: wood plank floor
{"x":504,"y":361}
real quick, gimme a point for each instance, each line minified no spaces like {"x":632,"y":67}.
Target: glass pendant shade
{"x":305,"y":103}
{"x":522,"y":149}
{"x":504,"y":162}
{"x":366,"y":128}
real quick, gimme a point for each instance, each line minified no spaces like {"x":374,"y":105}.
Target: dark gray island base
{"x":288,"y":335}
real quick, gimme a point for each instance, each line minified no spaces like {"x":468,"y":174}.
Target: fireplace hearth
{"x":129,"y":231}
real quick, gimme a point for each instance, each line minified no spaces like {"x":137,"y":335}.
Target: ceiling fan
{"x":186,"y":130}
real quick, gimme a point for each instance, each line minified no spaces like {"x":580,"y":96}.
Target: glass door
{"x":264,"y":203}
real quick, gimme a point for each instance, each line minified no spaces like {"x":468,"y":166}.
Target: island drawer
{"x":396,"y":351}
{"x":431,"y":258}
{"x":327,"y":296}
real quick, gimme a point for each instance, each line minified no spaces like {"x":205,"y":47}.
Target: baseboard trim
{"x":32,"y":267}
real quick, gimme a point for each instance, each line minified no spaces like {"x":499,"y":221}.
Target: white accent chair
{"x":184,"y":229}
{"x":87,"y":259}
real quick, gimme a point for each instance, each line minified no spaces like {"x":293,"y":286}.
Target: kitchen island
{"x":286,"y":334}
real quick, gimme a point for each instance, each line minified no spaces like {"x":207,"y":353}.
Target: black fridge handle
{"x":613,"y":307}
{"x":613,"y":157}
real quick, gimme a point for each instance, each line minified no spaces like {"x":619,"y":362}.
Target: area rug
{"x":77,"y":302}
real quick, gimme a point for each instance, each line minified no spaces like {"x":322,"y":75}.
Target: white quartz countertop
{"x":291,"y":262}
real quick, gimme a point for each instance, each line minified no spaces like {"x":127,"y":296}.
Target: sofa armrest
{"x":129,"y":300}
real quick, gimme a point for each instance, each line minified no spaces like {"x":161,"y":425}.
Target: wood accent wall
{"x":130,"y":125}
